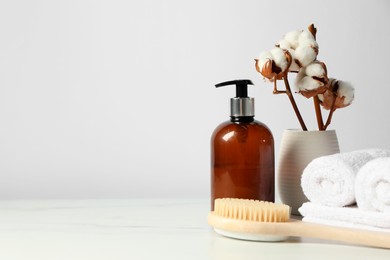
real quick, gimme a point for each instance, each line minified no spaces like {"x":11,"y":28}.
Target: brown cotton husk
{"x":312,"y":30}
{"x":339,"y":103}
{"x":257,"y":65}
{"x":289,"y":59}
{"x":331,"y":99}
{"x":327,"y":100}
{"x":279,"y":73}
{"x":314,"y":92}
{"x":270,"y":70}
{"x":325,"y":78}
{"x":266,"y":70}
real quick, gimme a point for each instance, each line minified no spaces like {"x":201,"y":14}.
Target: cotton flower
{"x":302,"y":46}
{"x":312,"y":79}
{"x":274,"y":63}
{"x":340,"y":94}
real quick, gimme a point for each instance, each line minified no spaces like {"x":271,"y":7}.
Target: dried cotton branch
{"x":297,"y":52}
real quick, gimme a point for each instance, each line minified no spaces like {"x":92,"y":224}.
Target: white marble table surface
{"x":141,"y":229}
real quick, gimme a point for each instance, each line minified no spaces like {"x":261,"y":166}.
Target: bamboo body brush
{"x":267,"y":221}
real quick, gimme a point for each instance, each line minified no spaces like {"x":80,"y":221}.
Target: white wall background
{"x":110,"y":98}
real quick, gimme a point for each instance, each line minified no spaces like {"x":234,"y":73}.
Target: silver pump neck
{"x":242,"y":107}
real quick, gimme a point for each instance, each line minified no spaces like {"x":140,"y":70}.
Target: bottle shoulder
{"x":253,"y":127}
{"x":253,"y":124}
{"x":263,"y":126}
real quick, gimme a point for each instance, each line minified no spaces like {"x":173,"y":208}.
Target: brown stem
{"x":275,"y":85}
{"x":317,"y":107}
{"x":276,"y":90}
{"x":329,"y":119}
{"x":294,"y":105}
{"x":332,"y":109}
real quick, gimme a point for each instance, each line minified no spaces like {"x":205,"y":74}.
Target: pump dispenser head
{"x":241,"y":105}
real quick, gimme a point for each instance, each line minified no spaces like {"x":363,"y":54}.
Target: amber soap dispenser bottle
{"x":242,"y":152}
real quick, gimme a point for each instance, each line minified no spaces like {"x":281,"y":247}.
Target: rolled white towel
{"x":351,"y":216}
{"x":372,"y":185}
{"x":330,"y":180}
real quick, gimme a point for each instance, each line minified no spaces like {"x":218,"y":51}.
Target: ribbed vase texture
{"x":297,"y":149}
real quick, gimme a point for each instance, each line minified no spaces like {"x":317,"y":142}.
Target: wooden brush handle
{"x":341,"y":234}
{"x":302,"y":229}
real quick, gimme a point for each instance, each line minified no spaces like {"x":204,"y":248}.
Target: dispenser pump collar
{"x":241,"y":105}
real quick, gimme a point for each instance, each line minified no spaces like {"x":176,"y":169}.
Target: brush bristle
{"x":252,"y":210}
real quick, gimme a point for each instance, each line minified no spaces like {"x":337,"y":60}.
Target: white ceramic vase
{"x":297,"y":149}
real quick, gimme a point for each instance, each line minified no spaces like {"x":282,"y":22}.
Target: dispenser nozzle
{"x":241,"y":105}
{"x":241,"y":86}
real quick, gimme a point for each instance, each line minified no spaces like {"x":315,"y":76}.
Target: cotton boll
{"x":329,"y":99}
{"x":310,"y":87}
{"x":293,"y":38}
{"x":279,"y":58}
{"x":305,"y":55}
{"x":301,"y":74}
{"x":339,"y":95}
{"x":302,"y":47}
{"x":305,"y":36}
{"x":347,"y":91}
{"x":265,"y":55}
{"x":294,"y":66}
{"x":274,"y":63}
{"x":263,"y":58}
{"x":309,"y":43}
{"x":306,"y":39}
{"x":315,"y":69}
{"x":264,"y":65}
{"x":284,"y":44}
{"x":312,"y":79}
{"x":298,"y":79}
{"x":308,"y":83}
